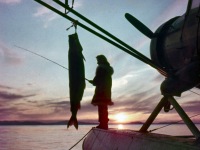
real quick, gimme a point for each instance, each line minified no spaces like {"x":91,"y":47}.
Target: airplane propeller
{"x":140,"y":26}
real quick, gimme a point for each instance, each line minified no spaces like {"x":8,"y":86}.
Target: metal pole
{"x":99,"y":35}
{"x":146,"y":59}
{"x":90,"y":30}
{"x":185,"y":117}
{"x":153,"y":115}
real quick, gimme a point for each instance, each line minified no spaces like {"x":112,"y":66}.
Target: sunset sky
{"x":32,"y":88}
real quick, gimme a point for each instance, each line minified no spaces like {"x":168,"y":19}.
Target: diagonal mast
{"x":149,"y":61}
{"x":128,"y":48}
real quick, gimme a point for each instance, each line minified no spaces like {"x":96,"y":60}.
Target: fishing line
{"x":45,"y":58}
{"x":41,"y":56}
{"x":172,"y":123}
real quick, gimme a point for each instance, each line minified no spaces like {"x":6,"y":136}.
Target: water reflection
{"x":120,"y":126}
{"x":58,"y":137}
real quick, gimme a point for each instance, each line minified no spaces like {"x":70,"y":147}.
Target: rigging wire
{"x":194,"y":92}
{"x":172,"y":123}
{"x":81,"y":139}
{"x":67,"y":4}
{"x":41,"y":56}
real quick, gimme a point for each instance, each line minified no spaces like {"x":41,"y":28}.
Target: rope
{"x":171,"y":123}
{"x":80,"y":139}
{"x":66,"y":3}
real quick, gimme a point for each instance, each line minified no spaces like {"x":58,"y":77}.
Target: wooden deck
{"x":115,"y":139}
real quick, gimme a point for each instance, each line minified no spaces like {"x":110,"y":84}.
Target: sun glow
{"x":120,"y":126}
{"x":121,"y":117}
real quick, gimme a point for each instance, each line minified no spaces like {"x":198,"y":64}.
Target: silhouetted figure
{"x":102,"y":95}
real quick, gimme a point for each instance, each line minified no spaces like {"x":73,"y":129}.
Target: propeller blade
{"x":139,"y":25}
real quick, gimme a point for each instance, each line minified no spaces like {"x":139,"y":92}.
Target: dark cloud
{"x":143,"y":102}
{"x":6,"y":113}
{"x":11,"y":105}
{"x":59,"y":107}
{"x":4,"y":95}
{"x":28,"y":110}
{"x":8,"y":110}
{"x":63,"y":107}
{"x":34,"y":116}
{"x":55,"y":103}
{"x":33,"y":102}
{"x":52,"y":106}
{"x":5,"y":87}
{"x":88,"y":107}
{"x":192,"y":106}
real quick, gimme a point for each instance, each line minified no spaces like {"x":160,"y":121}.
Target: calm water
{"x":60,"y":138}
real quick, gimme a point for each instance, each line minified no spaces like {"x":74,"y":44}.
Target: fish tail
{"x":73,"y":121}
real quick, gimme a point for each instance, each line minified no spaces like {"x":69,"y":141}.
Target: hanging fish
{"x":76,"y":77}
